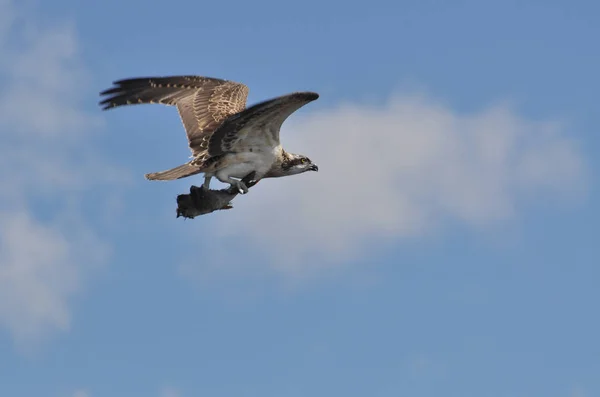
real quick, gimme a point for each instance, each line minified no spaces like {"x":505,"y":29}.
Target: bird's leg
{"x":239,"y":185}
{"x":206,"y":183}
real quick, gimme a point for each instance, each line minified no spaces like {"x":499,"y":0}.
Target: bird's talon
{"x":241,"y":187}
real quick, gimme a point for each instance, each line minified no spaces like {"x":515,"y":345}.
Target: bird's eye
{"x":303,"y":161}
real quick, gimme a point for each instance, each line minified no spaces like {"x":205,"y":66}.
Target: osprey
{"x":228,"y":141}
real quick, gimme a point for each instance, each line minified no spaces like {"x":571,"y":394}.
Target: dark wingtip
{"x":309,"y":95}
{"x":106,"y":104}
{"x":112,"y":90}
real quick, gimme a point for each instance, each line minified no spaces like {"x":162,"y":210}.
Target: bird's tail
{"x":174,"y":173}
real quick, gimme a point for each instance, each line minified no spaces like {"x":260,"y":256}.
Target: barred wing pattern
{"x":203,"y":103}
{"x":257,"y":125}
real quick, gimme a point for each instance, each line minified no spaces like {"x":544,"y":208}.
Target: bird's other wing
{"x":203,"y":102}
{"x":258,"y":125}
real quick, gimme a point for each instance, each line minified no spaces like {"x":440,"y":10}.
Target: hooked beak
{"x":313,"y":167}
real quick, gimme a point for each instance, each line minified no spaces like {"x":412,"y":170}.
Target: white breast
{"x":238,"y":165}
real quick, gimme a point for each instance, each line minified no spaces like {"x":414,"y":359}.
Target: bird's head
{"x":297,"y":164}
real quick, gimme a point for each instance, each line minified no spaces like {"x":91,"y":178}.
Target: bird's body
{"x":228,"y":141}
{"x":238,"y":165}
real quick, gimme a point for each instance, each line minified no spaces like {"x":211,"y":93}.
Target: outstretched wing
{"x":203,"y":102}
{"x":258,"y":125}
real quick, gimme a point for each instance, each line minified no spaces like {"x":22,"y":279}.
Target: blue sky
{"x":447,"y":246}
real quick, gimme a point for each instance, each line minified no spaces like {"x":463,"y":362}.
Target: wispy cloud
{"x":41,"y":267}
{"x":399,"y":171}
{"x":46,"y":165}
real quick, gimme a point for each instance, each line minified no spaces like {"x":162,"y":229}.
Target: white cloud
{"x":399,"y":171}
{"x":41,"y":267}
{"x":46,"y":165}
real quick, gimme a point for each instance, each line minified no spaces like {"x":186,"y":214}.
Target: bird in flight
{"x":228,"y":140}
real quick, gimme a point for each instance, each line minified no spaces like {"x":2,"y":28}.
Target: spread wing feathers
{"x":202,"y":102}
{"x":257,"y":125}
{"x":174,"y":173}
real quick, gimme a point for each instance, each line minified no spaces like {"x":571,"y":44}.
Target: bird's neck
{"x":279,"y":166}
